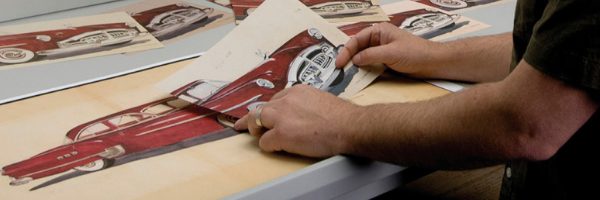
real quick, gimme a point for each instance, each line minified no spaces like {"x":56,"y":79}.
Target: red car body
{"x":243,"y":8}
{"x":453,"y":4}
{"x":418,"y":22}
{"x":96,"y":144}
{"x":224,"y":3}
{"x":170,"y":18}
{"x":24,"y":47}
{"x":308,"y":58}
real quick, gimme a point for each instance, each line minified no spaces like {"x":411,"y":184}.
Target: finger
{"x":281,"y":94}
{"x":241,"y":124}
{"x":343,"y":57}
{"x":252,"y":126}
{"x":355,"y":44}
{"x":270,"y":142}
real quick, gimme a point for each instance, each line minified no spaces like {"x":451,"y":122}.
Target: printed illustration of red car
{"x":170,"y":18}
{"x":96,"y":144}
{"x":418,"y":22}
{"x":243,"y":8}
{"x":224,"y":3}
{"x":24,"y":47}
{"x":454,"y":4}
{"x":308,"y":58}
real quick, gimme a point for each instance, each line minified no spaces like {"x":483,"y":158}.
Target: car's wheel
{"x":249,"y":11}
{"x":15,"y":55}
{"x":96,"y":165}
{"x":450,"y":3}
{"x":226,"y":120}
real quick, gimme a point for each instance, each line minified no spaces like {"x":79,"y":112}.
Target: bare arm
{"x":522,"y":115}
{"x":528,"y":115}
{"x":476,"y":59}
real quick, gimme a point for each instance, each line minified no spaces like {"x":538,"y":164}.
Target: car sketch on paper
{"x":143,"y":131}
{"x":224,"y":3}
{"x":172,"y":19}
{"x":325,"y":8}
{"x":307,"y":58}
{"x":449,"y":5}
{"x":422,"y":22}
{"x":27,"y":47}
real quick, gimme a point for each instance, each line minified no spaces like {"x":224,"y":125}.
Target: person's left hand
{"x":301,"y":120}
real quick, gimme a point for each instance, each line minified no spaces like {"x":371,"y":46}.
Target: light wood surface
{"x":207,"y":171}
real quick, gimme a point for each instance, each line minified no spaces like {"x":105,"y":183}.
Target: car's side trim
{"x":171,"y":125}
{"x":13,"y":45}
{"x":243,"y":103}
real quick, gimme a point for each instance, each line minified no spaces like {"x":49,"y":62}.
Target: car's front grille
{"x":320,"y":59}
{"x":167,"y":22}
{"x":355,"y":5}
{"x":310,"y":74}
{"x":119,"y":34}
{"x":189,"y":13}
{"x":334,"y":7}
{"x":436,"y":18}
{"x":97,"y":37}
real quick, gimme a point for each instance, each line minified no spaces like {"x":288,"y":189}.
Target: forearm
{"x":475,"y":59}
{"x":528,"y":115}
{"x":448,"y":132}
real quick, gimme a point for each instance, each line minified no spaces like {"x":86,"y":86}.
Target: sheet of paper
{"x":460,"y":5}
{"x":332,"y":10}
{"x":74,"y":38}
{"x":170,"y":20}
{"x":422,"y":20}
{"x":282,"y":38}
{"x":210,"y":170}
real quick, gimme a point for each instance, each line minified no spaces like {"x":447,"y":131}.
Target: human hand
{"x":387,"y":44}
{"x":294,"y":122}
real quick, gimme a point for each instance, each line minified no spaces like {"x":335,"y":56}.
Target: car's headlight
{"x":43,"y":38}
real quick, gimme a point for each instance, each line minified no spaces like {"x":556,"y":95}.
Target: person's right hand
{"x":385,"y":43}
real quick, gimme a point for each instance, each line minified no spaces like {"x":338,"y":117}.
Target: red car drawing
{"x":243,"y":8}
{"x":96,"y":144}
{"x":170,"y":18}
{"x":454,"y":4}
{"x":224,"y":3}
{"x":24,"y":47}
{"x":418,"y":22}
{"x":308,"y":58}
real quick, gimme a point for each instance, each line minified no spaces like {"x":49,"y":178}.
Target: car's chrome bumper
{"x":184,"y":23}
{"x":88,"y":46}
